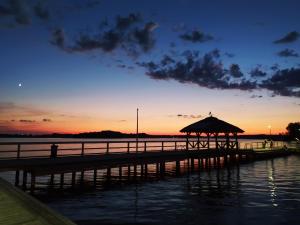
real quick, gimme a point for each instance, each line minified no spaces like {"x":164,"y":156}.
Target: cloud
{"x":58,"y":38}
{"x":27,"y":121}
{"x":122,"y":35}
{"x":123,"y":23}
{"x":288,"y":53}
{"x":186,"y":116}
{"x":288,"y":38}
{"x":235,"y":71}
{"x":284,"y":82}
{"x":229,"y":55}
{"x":275,"y":67}
{"x":257,"y":72}
{"x":144,"y":36}
{"x":41,"y":12}
{"x":196,"y":36}
{"x":17,"y":9}
{"x":256,"y":96}
{"x":191,"y":68}
{"x":47,"y":120}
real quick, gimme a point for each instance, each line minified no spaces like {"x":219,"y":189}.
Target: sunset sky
{"x":77,"y":66}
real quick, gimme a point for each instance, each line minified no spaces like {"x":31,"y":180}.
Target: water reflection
{"x":271,"y":182}
{"x":185,"y":192}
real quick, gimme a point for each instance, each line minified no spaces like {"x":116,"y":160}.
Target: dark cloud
{"x":123,"y":23}
{"x":122,"y":35}
{"x":144,"y":36}
{"x":256,"y":96}
{"x":41,"y":12}
{"x":284,"y":82}
{"x":18,"y":10}
{"x":229,"y":55}
{"x":206,"y":71}
{"x":58,"y":38}
{"x":235,"y":71}
{"x":47,"y":120}
{"x":275,"y":67}
{"x":288,"y":38}
{"x":196,"y":36}
{"x":27,"y":121}
{"x":186,"y":116}
{"x":257,"y":72}
{"x":288,"y":53}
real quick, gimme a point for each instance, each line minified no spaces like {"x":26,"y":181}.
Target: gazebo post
{"x":216,"y":136}
{"x":208,"y":136}
{"x":187,"y":140}
{"x":198,"y":141}
{"x":236,"y":141}
{"x":227,"y":140}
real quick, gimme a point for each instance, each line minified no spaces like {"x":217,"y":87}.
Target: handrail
{"x":107,"y":147}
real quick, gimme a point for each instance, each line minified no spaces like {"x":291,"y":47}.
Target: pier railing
{"x":13,"y":150}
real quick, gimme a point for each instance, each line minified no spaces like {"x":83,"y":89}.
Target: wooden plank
{"x":17,"y":207}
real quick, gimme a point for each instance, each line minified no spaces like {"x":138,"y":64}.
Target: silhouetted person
{"x":54,"y":148}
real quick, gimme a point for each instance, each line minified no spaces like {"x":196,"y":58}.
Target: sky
{"x":78,"y":66}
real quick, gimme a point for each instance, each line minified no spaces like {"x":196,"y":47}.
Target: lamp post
{"x":137,"y":129}
{"x":269,"y":126}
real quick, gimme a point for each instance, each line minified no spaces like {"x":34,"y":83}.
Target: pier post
{"x":62,"y":176}
{"x":95,"y":177}
{"x":82,"y":177}
{"x":120,"y":173}
{"x":82,"y":149}
{"x":17,"y":178}
{"x":32,"y":184}
{"x":157,"y":168}
{"x":146,"y":170}
{"x":51,"y":180}
{"x":192,"y":164}
{"x":24,"y":185}
{"x":177,"y":167}
{"x":162,"y":168}
{"x":142,"y":170}
{"x":73,"y":178}
{"x":19,"y":151}
{"x":108,"y":173}
{"x":134,"y":171}
{"x":128,"y":171}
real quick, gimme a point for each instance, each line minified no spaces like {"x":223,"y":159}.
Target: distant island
{"x":117,"y":134}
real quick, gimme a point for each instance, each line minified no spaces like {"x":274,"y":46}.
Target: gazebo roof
{"x":211,"y":125}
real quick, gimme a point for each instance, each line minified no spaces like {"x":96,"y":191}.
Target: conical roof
{"x":211,"y":125}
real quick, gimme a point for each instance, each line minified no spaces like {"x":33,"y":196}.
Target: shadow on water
{"x":185,"y":192}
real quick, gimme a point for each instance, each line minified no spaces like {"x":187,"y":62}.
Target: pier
{"x":30,"y":160}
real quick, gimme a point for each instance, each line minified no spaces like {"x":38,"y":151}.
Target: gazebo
{"x":212,"y":127}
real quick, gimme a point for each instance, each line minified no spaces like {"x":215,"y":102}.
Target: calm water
{"x":262,"y":192}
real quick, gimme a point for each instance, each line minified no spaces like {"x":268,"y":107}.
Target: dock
{"x":30,"y":160}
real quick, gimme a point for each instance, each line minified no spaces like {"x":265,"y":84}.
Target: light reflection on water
{"x":262,"y":192}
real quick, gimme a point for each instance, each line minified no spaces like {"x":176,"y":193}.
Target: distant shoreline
{"x":120,"y":135}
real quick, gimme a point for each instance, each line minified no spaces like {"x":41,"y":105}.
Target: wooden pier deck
{"x":17,"y":207}
{"x":35,"y":158}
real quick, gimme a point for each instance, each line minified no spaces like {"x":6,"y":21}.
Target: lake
{"x":261,"y":192}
